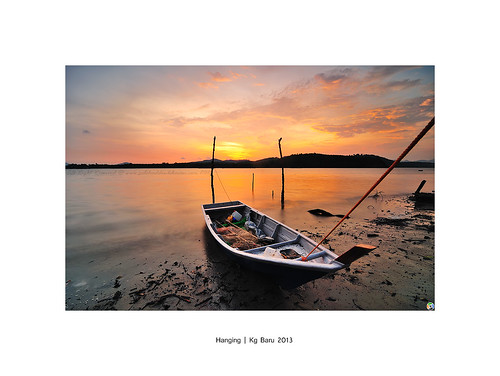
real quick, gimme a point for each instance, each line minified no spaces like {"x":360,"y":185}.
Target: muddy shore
{"x":398,"y":275}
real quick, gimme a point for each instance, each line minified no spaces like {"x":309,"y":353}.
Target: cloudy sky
{"x":156,"y":114}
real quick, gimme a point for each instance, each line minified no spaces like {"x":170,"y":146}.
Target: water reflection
{"x":121,"y":222}
{"x":282,"y":188}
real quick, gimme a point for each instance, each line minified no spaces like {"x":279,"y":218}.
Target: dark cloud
{"x":384,"y":87}
{"x":419,"y":109}
{"x":335,"y":75}
{"x":380,"y":73}
{"x":329,"y":78}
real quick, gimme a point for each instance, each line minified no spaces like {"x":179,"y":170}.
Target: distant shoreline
{"x":139,"y":166}
{"x":292,"y":161}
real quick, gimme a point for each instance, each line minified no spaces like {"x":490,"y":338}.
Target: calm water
{"x":126,"y":222}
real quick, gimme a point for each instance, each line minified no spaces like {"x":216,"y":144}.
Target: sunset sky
{"x":156,"y":114}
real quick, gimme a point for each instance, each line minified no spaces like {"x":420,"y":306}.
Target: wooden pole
{"x":422,"y":183}
{"x":212,"y":173}
{"x":282,"y":176}
{"x":253,"y":179}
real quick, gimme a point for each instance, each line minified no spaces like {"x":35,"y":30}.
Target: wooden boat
{"x":422,"y":197}
{"x":279,"y":250}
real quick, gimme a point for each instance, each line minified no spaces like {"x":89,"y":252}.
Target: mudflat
{"x":397,"y":275}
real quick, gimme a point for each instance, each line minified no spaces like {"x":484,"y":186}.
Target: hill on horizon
{"x":308,"y":160}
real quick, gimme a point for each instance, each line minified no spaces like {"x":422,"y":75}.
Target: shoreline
{"x":398,"y":275}
{"x":309,"y":160}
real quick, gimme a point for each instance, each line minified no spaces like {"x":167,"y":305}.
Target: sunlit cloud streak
{"x":385,"y":119}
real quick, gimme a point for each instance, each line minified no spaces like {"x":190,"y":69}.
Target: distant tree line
{"x":312,"y":160}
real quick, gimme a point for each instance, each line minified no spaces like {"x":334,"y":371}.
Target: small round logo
{"x":430,"y":306}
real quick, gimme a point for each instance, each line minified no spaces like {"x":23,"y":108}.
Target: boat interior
{"x":286,"y":243}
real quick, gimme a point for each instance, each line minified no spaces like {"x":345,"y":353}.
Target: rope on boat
{"x":403,"y":154}
{"x":222,"y":185}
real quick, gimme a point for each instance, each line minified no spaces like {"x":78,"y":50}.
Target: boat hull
{"x":286,"y":276}
{"x":288,"y":273}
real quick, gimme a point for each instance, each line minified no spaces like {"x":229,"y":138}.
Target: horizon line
{"x":242,"y":160}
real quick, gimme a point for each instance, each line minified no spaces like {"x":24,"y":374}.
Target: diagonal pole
{"x":403,"y":154}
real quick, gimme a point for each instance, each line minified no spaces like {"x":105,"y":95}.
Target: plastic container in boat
{"x":236,"y":216}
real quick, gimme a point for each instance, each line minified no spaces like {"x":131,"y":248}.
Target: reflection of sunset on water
{"x":136,"y":222}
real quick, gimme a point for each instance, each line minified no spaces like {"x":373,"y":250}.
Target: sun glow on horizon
{"x":171,"y":114}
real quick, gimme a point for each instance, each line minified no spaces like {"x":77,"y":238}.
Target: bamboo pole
{"x":212,"y":173}
{"x":282,"y":177}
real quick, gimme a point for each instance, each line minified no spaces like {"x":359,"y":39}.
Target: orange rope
{"x":403,"y":154}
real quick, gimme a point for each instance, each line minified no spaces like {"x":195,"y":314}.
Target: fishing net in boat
{"x":239,"y":238}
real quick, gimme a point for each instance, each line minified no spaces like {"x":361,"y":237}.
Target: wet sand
{"x":398,"y":275}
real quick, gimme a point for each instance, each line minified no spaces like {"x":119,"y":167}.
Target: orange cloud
{"x":389,"y":113}
{"x":207,"y":85}
{"x":237,"y":75}
{"x":427,"y":102}
{"x":219,"y":77}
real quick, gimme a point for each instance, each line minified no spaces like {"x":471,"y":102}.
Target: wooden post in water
{"x":212,"y":173}
{"x":253,"y":179}
{"x":282,"y":177}
{"x":422,"y":183}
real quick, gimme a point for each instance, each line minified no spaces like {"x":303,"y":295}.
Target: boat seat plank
{"x":275,"y":232}
{"x":275,"y":245}
{"x":259,"y":222}
{"x":224,"y":208}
